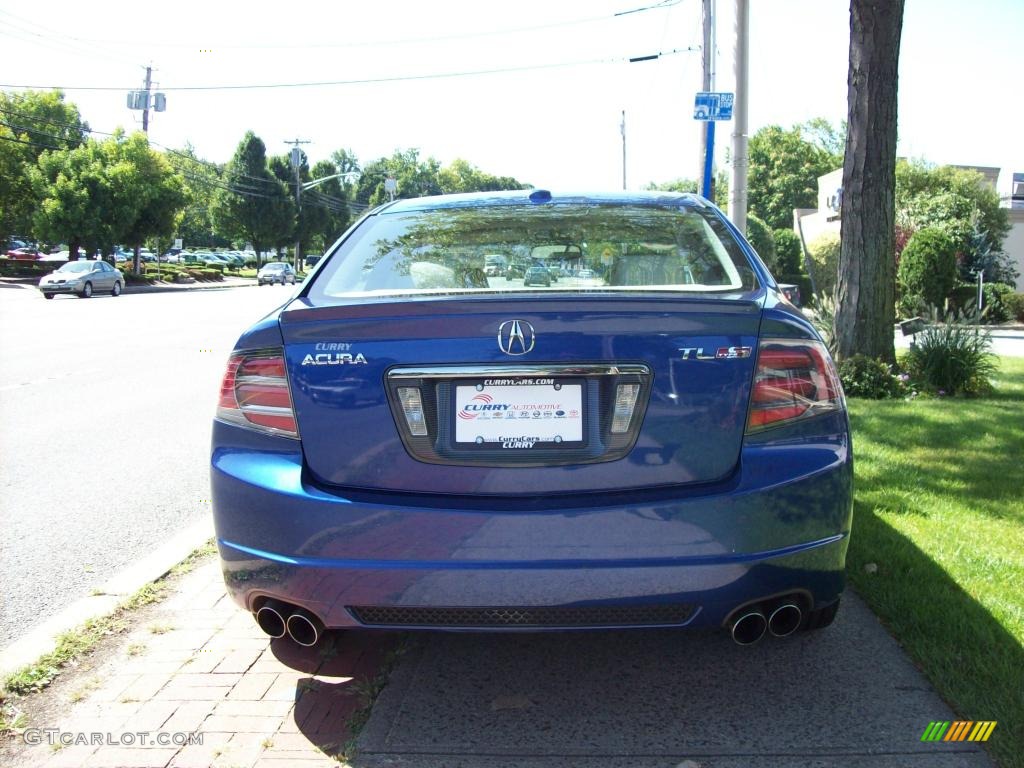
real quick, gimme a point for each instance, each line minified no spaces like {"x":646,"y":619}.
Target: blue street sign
{"x":712,"y":106}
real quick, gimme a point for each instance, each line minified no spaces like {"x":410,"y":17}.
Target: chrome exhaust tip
{"x":304,"y":628}
{"x":271,"y":619}
{"x":749,"y":628}
{"x":785,"y":620}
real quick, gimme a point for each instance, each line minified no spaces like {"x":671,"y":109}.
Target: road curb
{"x":42,"y":639}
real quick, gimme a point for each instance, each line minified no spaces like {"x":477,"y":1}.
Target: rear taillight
{"x":795,"y":379}
{"x":255,"y":393}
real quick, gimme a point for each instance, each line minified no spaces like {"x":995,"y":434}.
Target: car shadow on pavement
{"x":342,"y":676}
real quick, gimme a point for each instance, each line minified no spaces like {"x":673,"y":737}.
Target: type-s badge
{"x":722,"y":353}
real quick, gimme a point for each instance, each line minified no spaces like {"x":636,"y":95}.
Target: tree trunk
{"x":866,"y":288}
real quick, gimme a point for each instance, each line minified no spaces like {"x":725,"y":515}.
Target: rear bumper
{"x":779,"y":526}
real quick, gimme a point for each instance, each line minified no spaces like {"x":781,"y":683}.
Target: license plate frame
{"x":557,"y":421}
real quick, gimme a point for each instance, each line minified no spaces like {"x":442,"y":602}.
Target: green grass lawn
{"x":939,"y":508}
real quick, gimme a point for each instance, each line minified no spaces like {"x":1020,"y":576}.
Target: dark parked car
{"x":668,"y":446}
{"x":537,"y":276}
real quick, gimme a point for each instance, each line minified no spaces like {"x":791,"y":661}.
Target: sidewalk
{"x":200,"y":665}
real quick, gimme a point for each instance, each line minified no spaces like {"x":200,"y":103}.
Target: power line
{"x":381,"y":43}
{"x":371,"y":80}
{"x":28,"y":143}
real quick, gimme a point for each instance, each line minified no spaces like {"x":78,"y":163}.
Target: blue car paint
{"x":777,"y":522}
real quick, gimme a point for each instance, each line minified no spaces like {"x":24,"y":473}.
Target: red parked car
{"x":24,"y":254}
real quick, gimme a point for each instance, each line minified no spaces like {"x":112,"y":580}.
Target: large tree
{"x":865,"y":292}
{"x":74,"y":194}
{"x":152,"y":194}
{"x":784,"y":170}
{"x":252,"y":205}
{"x":200,"y":180}
{"x":101,"y":194}
{"x":31,"y":123}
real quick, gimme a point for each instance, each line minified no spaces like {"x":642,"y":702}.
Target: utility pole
{"x":296,"y":162}
{"x":707,"y":84}
{"x":738,"y":187}
{"x":622,"y":128}
{"x":145,"y":110}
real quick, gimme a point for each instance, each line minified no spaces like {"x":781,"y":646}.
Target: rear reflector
{"x":625,"y":402}
{"x":795,"y":379}
{"x":412,"y":407}
{"x":255,"y":393}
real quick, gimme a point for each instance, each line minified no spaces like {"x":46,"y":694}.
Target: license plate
{"x":519,"y":413}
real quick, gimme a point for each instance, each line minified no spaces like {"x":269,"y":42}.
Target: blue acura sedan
{"x":656,"y":439}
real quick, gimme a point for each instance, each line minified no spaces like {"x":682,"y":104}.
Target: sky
{"x":558,"y":77}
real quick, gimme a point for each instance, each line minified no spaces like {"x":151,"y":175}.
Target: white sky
{"x":558,"y":127}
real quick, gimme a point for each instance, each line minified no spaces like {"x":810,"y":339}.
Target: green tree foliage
{"x":462,"y":176}
{"x":150,"y":194}
{"x":418,"y":178}
{"x":788,"y":254}
{"x":759,"y":236}
{"x":824,"y":257}
{"x":415,"y":177}
{"x":200,"y":179}
{"x":72,"y":188}
{"x":330,"y":197}
{"x":784,"y":170}
{"x":928,"y":266}
{"x":252,"y":205}
{"x":100,"y":194}
{"x":958,"y":201}
{"x":31,"y":123}
{"x":693,"y":187}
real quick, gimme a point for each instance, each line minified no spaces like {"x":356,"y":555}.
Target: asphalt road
{"x":105,"y":407}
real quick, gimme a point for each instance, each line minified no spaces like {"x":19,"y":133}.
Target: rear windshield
{"x":573,"y":248}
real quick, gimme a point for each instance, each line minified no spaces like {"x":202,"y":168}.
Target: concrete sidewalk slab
{"x":845,"y":696}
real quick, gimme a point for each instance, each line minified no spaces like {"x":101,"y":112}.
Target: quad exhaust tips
{"x":785,"y":620}
{"x":304,"y":628}
{"x":271,"y":619}
{"x":278,"y":619}
{"x":751,"y":624}
{"x":749,"y":628}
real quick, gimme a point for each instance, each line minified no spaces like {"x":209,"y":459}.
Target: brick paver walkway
{"x":202,"y":666}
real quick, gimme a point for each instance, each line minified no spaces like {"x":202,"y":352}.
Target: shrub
{"x":951,"y":359}
{"x":864,"y":376}
{"x":928,"y":266}
{"x":996,"y":303}
{"x":1015,"y":304}
{"x":759,"y":236}
{"x":824,"y":253}
{"x":788,"y":254}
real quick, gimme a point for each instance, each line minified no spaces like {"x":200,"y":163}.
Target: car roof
{"x":542,"y":196}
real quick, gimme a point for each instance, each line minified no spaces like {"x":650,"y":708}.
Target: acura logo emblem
{"x":516,"y":337}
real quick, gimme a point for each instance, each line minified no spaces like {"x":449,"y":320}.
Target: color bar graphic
{"x":959,"y":730}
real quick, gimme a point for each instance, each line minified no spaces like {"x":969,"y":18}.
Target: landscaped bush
{"x":996,"y":303}
{"x":864,"y":376}
{"x":824,"y":253}
{"x":204,"y":274}
{"x":788,"y":254}
{"x":928,"y":267}
{"x":759,"y":236}
{"x":1015,"y":304}
{"x":951,"y":359}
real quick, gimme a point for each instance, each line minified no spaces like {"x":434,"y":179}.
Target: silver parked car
{"x":276,"y":272}
{"x":83,"y":278}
